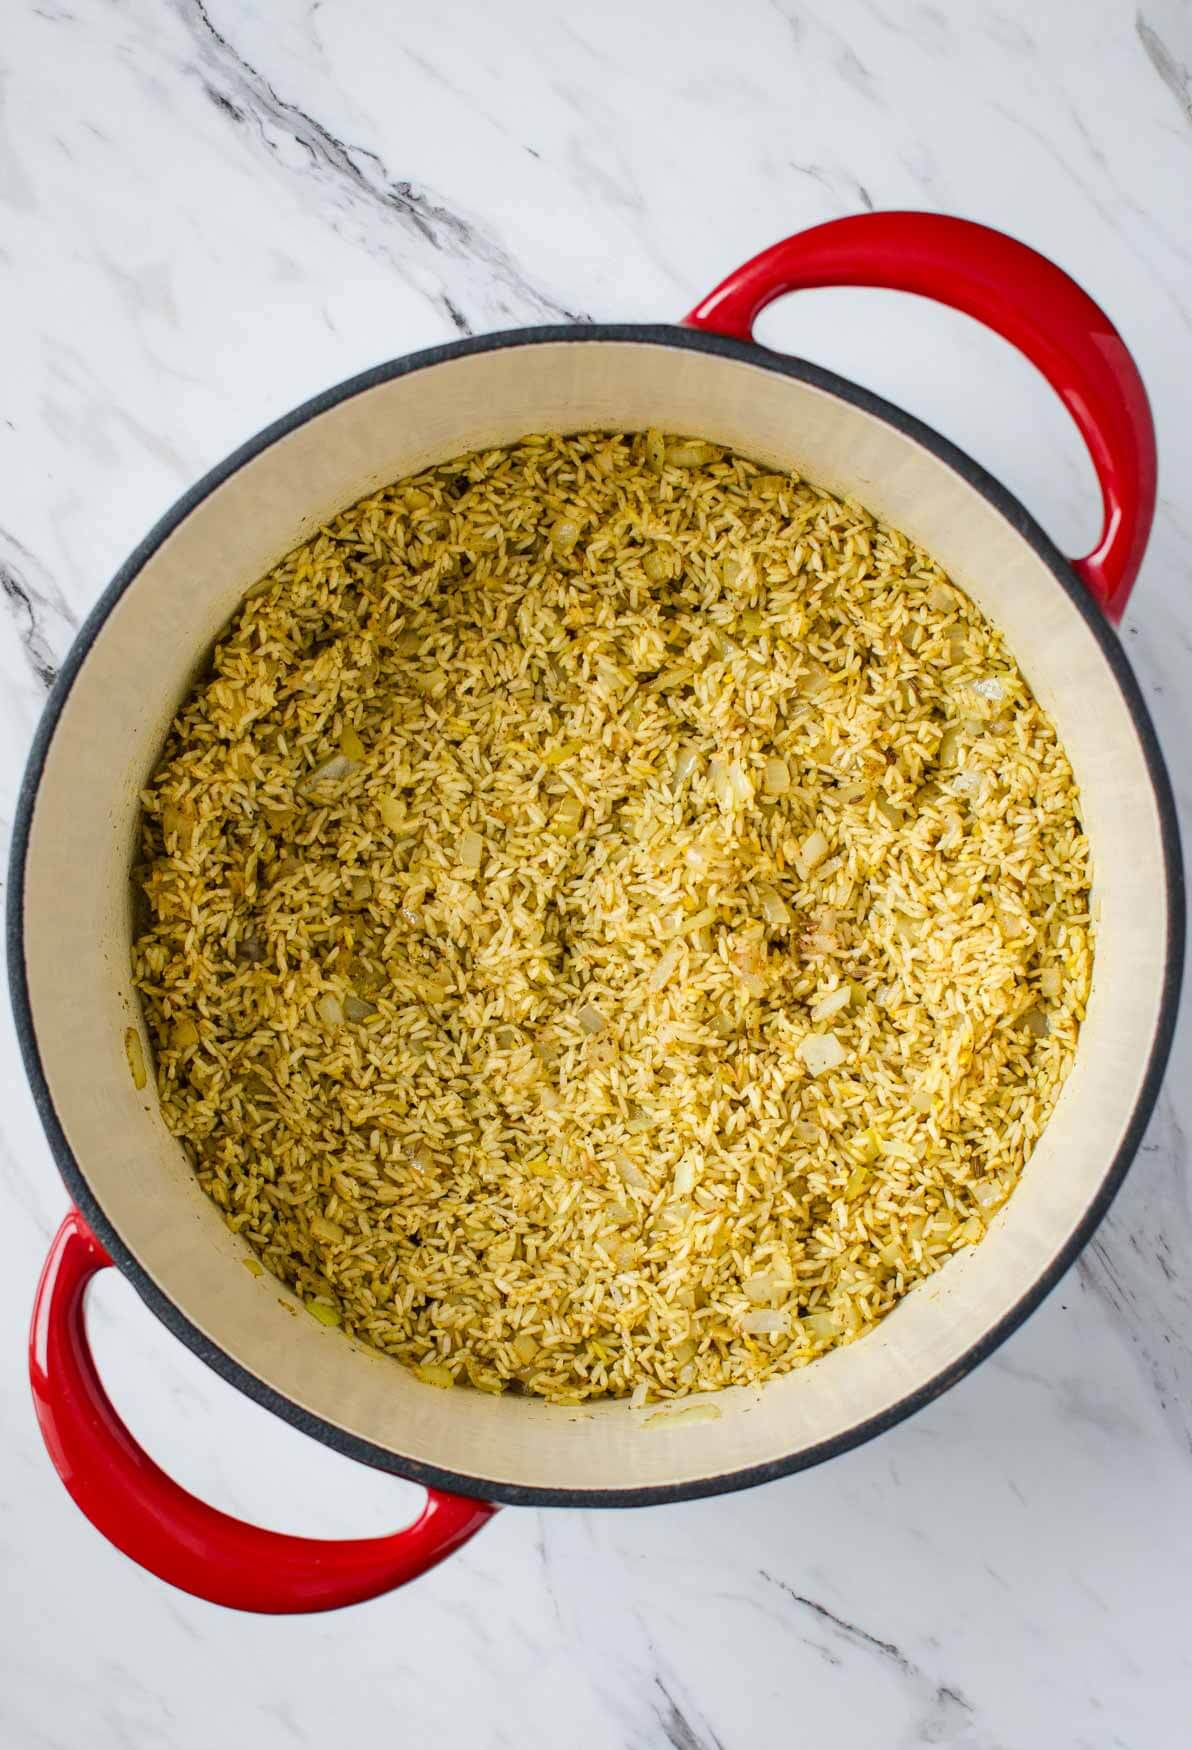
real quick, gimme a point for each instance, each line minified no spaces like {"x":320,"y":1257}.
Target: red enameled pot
{"x":137,"y":1204}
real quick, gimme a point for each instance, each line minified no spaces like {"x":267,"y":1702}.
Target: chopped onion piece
{"x":685,"y":764}
{"x":350,"y":744}
{"x":331,"y":771}
{"x":698,"y":921}
{"x":953,"y":831}
{"x":392,"y":811}
{"x":179,"y":822}
{"x":822,"y":937}
{"x":867,"y":1146}
{"x":830,"y":1005}
{"x":736,"y":571}
{"x":688,"y":1414}
{"x":774,"y":909}
{"x":821,"y":1052}
{"x":632,"y":1175}
{"x":562,"y":754}
{"x":431,"y":681}
{"x":677,"y":675}
{"x":330,"y":1009}
{"x":765,"y":1321}
{"x":134,"y":1052}
{"x":665,"y":967}
{"x":1049,"y":982}
{"x":691,"y":453}
{"x":814,"y":849}
{"x":721,"y":786}
{"x":949,"y":745}
{"x":327,"y":1230}
{"x":740,"y":784}
{"x":777,"y":778}
{"x":524,"y":1347}
{"x":590,"y":1018}
{"x":470,"y":849}
{"x":856,"y":1182}
{"x":567,"y":816}
{"x":430,"y":1373}
{"x":749,"y":962}
{"x":1012,"y":923}
{"x":762,"y":1286}
{"x":684,"y":1176}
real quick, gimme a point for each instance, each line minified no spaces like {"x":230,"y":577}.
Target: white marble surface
{"x":209,"y":211}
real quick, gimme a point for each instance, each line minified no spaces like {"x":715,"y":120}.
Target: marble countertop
{"x":210,"y":209}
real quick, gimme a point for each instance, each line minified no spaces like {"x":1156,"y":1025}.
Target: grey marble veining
{"x":210,"y":209}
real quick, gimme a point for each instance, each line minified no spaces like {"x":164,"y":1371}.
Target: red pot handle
{"x":1022,"y":296}
{"x":176,"y":1536}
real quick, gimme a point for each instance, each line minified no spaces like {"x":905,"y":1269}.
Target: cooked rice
{"x":617,"y":920}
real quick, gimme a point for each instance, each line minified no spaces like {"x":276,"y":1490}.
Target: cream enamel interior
{"x":108,"y":737}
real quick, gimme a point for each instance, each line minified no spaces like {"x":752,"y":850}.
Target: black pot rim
{"x":352,"y":1445}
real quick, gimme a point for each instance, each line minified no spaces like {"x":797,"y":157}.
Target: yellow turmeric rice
{"x":616,"y":920}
